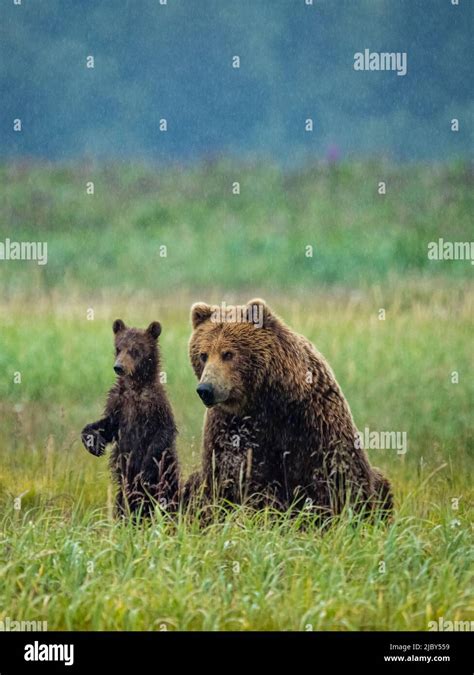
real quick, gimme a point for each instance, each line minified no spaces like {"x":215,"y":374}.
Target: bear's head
{"x":231,"y":348}
{"x":136,"y":352}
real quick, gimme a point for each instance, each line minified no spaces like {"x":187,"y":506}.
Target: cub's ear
{"x":200,"y":312}
{"x":260,"y":313}
{"x":118,"y":326}
{"x":154,"y":329}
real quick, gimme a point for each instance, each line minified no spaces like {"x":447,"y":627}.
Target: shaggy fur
{"x":279,"y":431}
{"x":139,"y":421}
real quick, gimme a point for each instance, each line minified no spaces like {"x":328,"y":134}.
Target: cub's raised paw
{"x":93,"y":441}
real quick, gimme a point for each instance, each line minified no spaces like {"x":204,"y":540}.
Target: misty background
{"x":174,"y":61}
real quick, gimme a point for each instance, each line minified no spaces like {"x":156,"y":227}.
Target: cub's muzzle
{"x":119,"y":369}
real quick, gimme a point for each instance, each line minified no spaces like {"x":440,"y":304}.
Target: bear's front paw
{"x":93,"y":441}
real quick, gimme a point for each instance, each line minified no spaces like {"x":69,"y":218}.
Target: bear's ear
{"x":154,"y":329}
{"x":200,"y":312}
{"x":118,"y":325}
{"x":260,"y":313}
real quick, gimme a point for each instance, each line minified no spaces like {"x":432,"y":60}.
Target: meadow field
{"x":65,"y":560}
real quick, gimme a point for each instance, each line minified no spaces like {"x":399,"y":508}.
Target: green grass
{"x":112,"y":239}
{"x":82,"y":571}
{"x":66,"y":561}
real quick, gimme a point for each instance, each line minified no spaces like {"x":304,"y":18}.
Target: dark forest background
{"x":174,"y":61}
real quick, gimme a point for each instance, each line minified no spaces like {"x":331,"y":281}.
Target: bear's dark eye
{"x":203,"y":357}
{"x":117,"y":351}
{"x":133,"y":353}
{"x":227,"y":356}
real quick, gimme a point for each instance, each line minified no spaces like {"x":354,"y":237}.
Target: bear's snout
{"x":206,"y":393}
{"x":119,"y":369}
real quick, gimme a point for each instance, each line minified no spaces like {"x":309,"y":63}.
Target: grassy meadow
{"x":64,"y":560}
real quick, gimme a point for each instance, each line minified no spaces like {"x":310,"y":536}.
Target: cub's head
{"x":230,"y":350}
{"x":136,"y":352}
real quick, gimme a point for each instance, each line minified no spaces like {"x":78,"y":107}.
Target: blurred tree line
{"x":174,"y":62}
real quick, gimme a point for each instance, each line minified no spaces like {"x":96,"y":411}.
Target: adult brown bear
{"x":278,"y":429}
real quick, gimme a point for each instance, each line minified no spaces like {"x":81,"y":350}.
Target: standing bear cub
{"x":278,"y":430}
{"x":139,"y":421}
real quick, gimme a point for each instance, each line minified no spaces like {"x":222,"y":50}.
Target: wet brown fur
{"x":278,"y":438}
{"x":138,"y":420}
